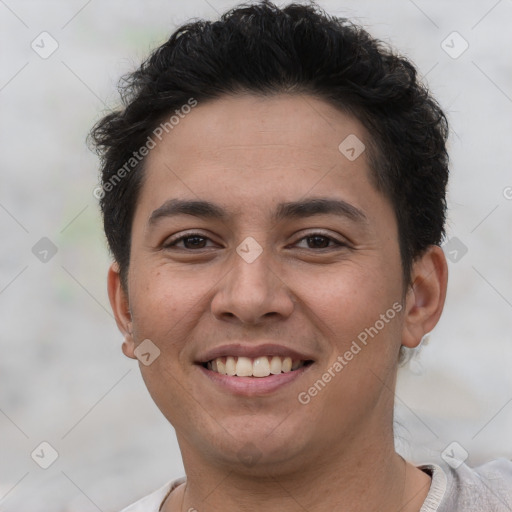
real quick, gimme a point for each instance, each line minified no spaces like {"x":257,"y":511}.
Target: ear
{"x":425,"y":298}
{"x":121,"y":309}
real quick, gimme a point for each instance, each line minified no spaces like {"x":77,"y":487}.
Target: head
{"x":311,"y":167}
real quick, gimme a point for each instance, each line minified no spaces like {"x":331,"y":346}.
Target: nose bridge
{"x":251,"y":267}
{"x":251,"y":289}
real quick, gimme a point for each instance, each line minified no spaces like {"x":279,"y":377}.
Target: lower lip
{"x":251,"y":386}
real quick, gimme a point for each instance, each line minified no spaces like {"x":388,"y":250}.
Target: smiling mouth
{"x":254,"y":367}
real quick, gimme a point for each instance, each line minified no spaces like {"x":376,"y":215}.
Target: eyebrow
{"x":290,"y":210}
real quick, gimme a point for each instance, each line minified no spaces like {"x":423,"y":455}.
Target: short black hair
{"x":263,"y":49}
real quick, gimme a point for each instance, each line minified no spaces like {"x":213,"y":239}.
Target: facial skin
{"x":248,"y":154}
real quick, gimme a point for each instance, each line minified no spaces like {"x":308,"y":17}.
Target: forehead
{"x":255,"y":149}
{"x":246,"y":122}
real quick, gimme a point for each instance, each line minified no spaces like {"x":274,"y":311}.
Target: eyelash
{"x":172,"y":243}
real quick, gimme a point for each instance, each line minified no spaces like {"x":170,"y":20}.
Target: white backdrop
{"x":63,"y":378}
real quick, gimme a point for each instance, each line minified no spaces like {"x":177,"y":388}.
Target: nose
{"x":252,"y":291}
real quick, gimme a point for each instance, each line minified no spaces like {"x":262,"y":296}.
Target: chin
{"x":261,"y":451}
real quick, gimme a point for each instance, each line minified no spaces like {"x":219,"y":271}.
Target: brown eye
{"x":190,"y":241}
{"x":320,"y":241}
{"x":194,"y":242}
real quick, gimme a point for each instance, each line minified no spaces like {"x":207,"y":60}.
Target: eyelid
{"x":168,"y":242}
{"x":318,"y":232}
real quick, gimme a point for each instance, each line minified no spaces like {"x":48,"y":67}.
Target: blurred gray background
{"x":63,"y":378}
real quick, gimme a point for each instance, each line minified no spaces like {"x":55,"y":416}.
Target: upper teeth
{"x":258,"y":367}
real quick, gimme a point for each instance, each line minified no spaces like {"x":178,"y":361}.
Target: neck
{"x":360,"y":479}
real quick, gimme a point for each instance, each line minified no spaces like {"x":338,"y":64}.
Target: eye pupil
{"x":194,"y":244}
{"x":324,"y":242}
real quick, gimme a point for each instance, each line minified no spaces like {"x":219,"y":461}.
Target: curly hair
{"x":263,"y":49}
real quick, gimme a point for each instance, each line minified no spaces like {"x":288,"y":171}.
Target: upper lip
{"x":251,"y":351}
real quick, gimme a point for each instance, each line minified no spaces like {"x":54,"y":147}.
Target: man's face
{"x":255,"y":284}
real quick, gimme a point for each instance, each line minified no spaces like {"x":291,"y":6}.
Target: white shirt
{"x":486,"y":488}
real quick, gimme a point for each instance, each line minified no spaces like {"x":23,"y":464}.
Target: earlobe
{"x":128,"y":347}
{"x":121,"y":309}
{"x":426,"y":295}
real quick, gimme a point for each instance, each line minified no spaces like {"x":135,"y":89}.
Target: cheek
{"x":165,"y":311}
{"x":347,"y":298}
{"x":358,"y":312}
{"x":162,"y":297}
